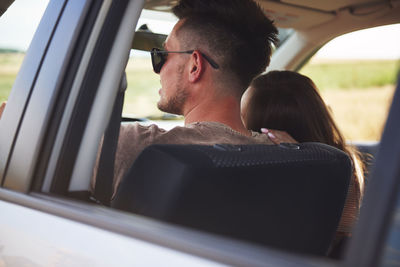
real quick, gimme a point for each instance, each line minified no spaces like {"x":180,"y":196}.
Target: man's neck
{"x":225,"y":111}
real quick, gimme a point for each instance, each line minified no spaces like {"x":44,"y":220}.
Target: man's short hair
{"x":235,"y":33}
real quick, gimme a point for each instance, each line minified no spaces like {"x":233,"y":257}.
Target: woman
{"x":290,"y":103}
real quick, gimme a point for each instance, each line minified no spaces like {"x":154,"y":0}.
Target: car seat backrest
{"x":289,"y":196}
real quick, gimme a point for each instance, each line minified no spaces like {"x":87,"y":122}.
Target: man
{"x":214,"y":51}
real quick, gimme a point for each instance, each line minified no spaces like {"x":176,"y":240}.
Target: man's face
{"x":173,"y":91}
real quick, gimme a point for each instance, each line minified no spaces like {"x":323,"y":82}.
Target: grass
{"x":360,"y":114}
{"x":9,"y":66}
{"x":359,"y":93}
{"x":352,"y":75}
{"x":142,"y":92}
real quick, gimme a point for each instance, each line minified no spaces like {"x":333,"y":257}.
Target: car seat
{"x":288,"y":196}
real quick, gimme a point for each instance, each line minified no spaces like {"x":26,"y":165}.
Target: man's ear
{"x":196,"y":66}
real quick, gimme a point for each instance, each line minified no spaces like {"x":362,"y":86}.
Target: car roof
{"x":306,"y":14}
{"x":315,"y":23}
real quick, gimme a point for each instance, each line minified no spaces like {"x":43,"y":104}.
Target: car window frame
{"x":85,"y":107}
{"x":23,"y":86}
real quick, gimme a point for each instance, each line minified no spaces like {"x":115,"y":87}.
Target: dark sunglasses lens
{"x":158,"y":60}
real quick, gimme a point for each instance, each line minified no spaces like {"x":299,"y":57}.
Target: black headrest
{"x":288,"y":196}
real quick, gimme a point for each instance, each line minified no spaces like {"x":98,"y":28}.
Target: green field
{"x":359,"y":93}
{"x":352,"y":74}
{"x":9,"y":65}
{"x":143,"y":85}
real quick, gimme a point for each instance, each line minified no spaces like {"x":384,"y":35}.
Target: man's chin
{"x":160,"y":106}
{"x":168,"y":109}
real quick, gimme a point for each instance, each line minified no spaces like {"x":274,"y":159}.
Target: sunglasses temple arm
{"x":212,"y":62}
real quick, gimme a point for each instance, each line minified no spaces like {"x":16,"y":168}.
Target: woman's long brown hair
{"x":289,"y":101}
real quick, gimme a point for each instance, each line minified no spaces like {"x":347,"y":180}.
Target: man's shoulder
{"x":215,"y":132}
{"x":137,"y":126}
{"x":199,"y":132}
{"x":131,"y":130}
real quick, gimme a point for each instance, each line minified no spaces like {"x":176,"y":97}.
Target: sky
{"x":377,"y":43}
{"x":18,"y":24}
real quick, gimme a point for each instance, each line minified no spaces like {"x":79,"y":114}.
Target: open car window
{"x":356,"y":74}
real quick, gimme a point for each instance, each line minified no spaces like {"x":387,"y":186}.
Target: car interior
{"x":193,"y":172}
{"x":263,"y":195}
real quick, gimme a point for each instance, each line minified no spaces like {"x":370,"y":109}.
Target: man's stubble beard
{"x":175,"y":103}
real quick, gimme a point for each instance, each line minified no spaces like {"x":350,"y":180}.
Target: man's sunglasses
{"x":159,"y":57}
